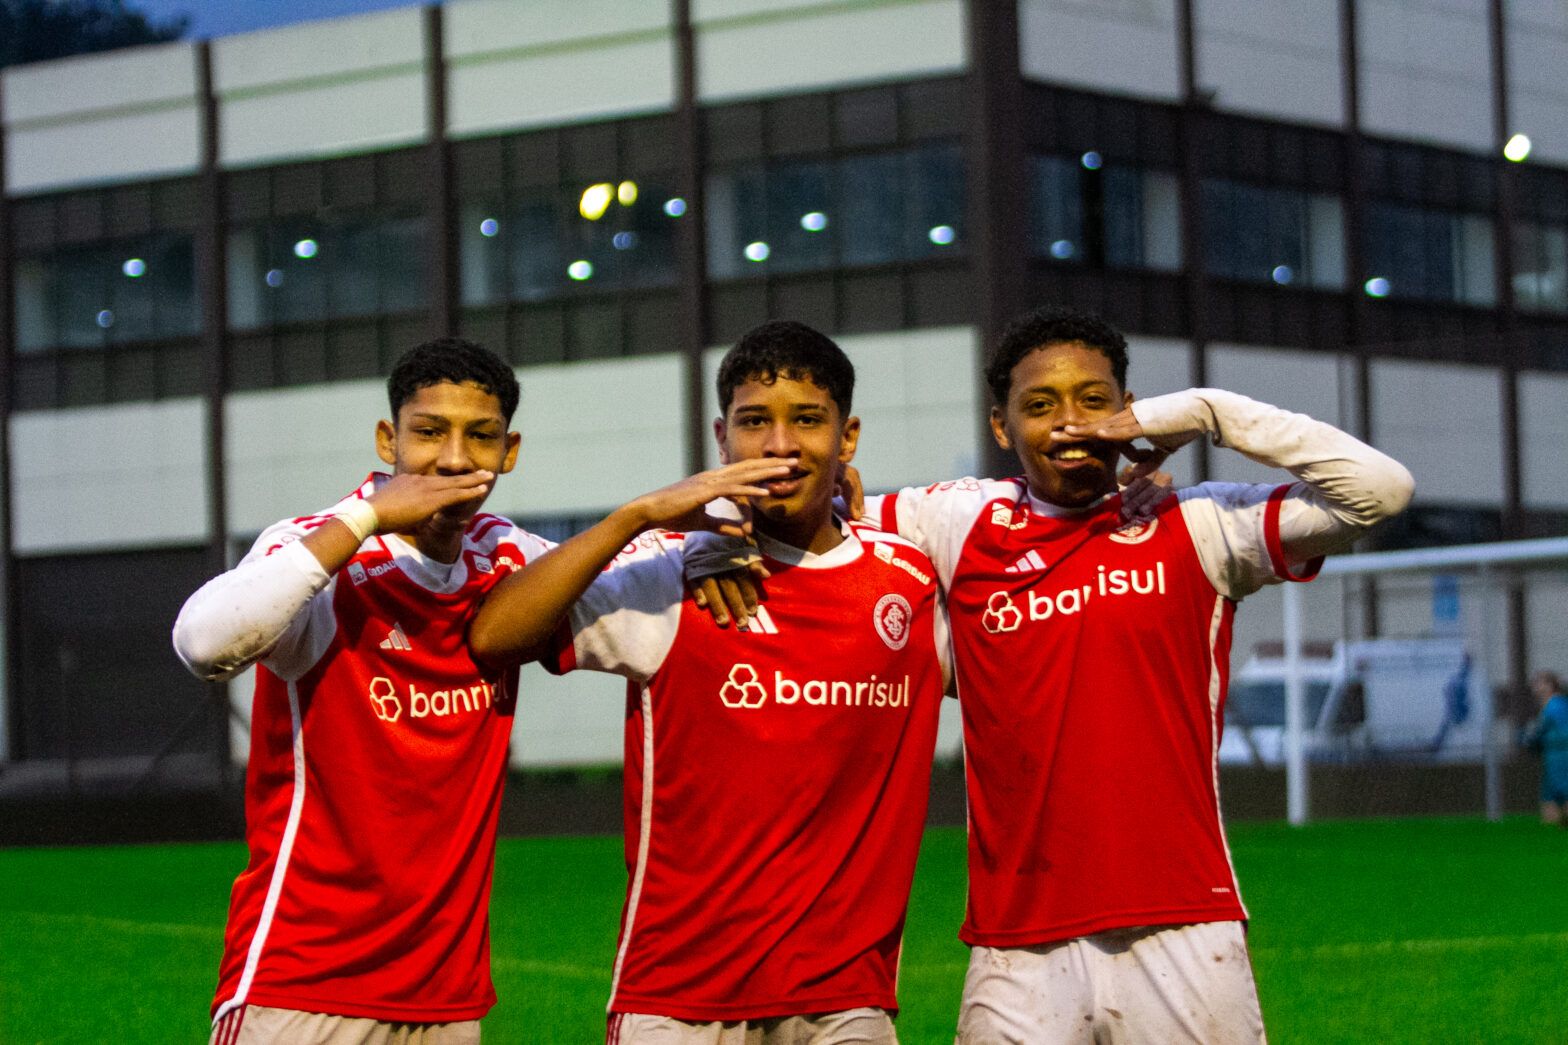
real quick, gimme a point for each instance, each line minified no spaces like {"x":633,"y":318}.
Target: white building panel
{"x":129,"y":145}
{"x":293,"y":451}
{"x":577,"y":719}
{"x":1543,"y":435}
{"x":595,"y":435}
{"x":332,"y":86}
{"x":1538,"y":96}
{"x":97,"y":83}
{"x":109,"y":476}
{"x":1426,"y":71}
{"x":1275,"y":58}
{"x":917,"y":395}
{"x":1313,"y":383}
{"x":1441,"y":421}
{"x":1092,"y":44}
{"x":802,"y":47}
{"x":476,"y":27}
{"x":543,"y":87}
{"x":123,"y":116}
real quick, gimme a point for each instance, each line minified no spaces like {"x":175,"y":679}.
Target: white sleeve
{"x":1248,"y":536}
{"x":937,"y":519}
{"x":626,"y":622}
{"x":263,"y":609}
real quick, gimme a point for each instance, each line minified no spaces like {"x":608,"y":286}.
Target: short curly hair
{"x":791,"y":350}
{"x":1052,"y":325}
{"x":456,"y":360}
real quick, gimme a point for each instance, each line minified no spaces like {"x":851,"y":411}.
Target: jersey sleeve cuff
{"x":1271,"y":537}
{"x":560,"y":653}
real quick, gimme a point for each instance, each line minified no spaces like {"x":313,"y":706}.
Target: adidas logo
{"x":396,"y":639}
{"x":1030,"y":563}
{"x":761,"y":623}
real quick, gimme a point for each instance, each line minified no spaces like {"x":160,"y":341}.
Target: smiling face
{"x":449,"y":428}
{"x":1058,"y":384}
{"x":786,"y":417}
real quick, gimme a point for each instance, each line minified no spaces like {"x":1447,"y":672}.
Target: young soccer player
{"x":776,"y":776}
{"x":1092,"y":654}
{"x":377,"y":744}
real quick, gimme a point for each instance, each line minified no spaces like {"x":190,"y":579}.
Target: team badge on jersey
{"x":383,"y":699}
{"x":1002,"y":515}
{"x":357,"y":574}
{"x":1001,"y":614}
{"x":483,"y":565}
{"x":892,"y":617}
{"x":1135,"y":532}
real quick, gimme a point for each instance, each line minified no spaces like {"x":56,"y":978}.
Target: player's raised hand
{"x":684,"y":505}
{"x":405,"y":501}
{"x":851,"y":491}
{"x":1120,"y":427}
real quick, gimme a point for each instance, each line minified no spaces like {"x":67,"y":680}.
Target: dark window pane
{"x":107,"y":294}
{"x":870,"y":200}
{"x":1056,"y":227}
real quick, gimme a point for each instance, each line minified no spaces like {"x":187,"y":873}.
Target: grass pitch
{"x":1387,"y":931}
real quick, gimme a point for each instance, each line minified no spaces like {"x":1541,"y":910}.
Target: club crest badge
{"x":892,"y":618}
{"x":1135,"y":532}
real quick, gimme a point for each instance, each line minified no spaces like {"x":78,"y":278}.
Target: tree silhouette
{"x":38,"y":30}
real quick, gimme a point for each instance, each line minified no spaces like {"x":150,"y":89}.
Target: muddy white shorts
{"x":1142,"y":986}
{"x":849,"y":1027}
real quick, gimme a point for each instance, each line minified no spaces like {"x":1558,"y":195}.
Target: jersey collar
{"x":1045,"y":508}
{"x":845,"y":552}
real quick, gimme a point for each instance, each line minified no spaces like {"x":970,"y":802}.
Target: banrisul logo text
{"x":746,"y":688}
{"x":391,"y":701}
{"x":1004,"y":613}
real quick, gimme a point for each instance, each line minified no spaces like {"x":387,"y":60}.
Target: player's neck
{"x":817,"y":535}
{"x":435,"y":542}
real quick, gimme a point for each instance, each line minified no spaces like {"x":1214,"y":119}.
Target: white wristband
{"x":359,"y":516}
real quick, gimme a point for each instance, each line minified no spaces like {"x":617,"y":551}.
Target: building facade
{"x":211,"y":252}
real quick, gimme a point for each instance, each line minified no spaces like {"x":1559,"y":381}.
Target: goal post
{"x":1489,"y":570}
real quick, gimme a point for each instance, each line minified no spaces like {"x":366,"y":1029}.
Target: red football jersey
{"x":1091,"y":657}
{"x":377,"y":760}
{"x":776,"y":778}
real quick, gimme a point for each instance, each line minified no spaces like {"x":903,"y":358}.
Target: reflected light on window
{"x":106,"y":318}
{"x":596,"y":200}
{"x":942,"y":235}
{"x":816,"y":221}
{"x":1062,"y":249}
{"x":1283,"y":274}
{"x":580,"y":270}
{"x":1091,"y":160}
{"x":134,"y":268}
{"x":489,"y":227}
{"x":274,"y":278}
{"x":626,"y":192}
{"x":1378,"y":287}
{"x":306,"y":248}
{"x":675,"y":207}
{"x":624,"y":240}
{"x":1518,"y":148}
{"x":757,"y":251}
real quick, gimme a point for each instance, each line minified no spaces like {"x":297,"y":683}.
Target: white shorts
{"x":865,"y":1026}
{"x":1154,"y":985}
{"x":264,"y":1025}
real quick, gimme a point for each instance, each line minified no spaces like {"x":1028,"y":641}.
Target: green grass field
{"x":1375,"y":931}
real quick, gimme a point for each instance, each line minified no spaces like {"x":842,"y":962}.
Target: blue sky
{"x":211,"y":18}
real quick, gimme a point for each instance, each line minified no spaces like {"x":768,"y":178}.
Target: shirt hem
{"x":1035,"y":937}
{"x":762,"y":1010}
{"x":390,"y":1013}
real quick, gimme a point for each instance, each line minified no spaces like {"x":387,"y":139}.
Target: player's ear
{"x":850,"y":440}
{"x":386,"y":442}
{"x":718,"y":437}
{"x":514,"y":442}
{"x":999,"y":429}
{"x":1127,"y":398}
